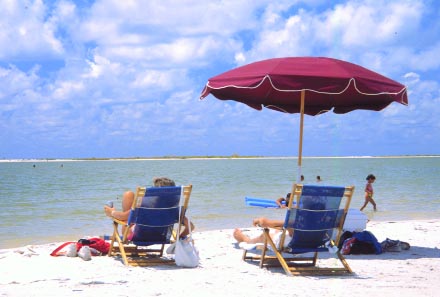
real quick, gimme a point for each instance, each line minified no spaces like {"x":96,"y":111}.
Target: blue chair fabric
{"x":155,"y":217}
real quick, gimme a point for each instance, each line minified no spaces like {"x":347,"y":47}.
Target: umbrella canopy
{"x":306,"y":85}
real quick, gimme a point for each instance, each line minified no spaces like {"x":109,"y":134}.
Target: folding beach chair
{"x":316,"y":227}
{"x":153,"y":216}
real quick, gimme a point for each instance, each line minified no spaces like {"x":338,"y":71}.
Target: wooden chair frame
{"x":135,"y":255}
{"x":296,"y":265}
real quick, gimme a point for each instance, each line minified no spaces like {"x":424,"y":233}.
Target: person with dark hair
{"x":283,"y":202}
{"x":369,"y":192}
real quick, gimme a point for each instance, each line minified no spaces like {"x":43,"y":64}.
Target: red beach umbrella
{"x":306,"y":85}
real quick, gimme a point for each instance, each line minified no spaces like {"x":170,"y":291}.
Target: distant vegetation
{"x":233,"y":156}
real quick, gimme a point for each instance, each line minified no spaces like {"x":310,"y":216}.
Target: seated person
{"x":127,"y":202}
{"x":275,"y":234}
{"x":280,"y":201}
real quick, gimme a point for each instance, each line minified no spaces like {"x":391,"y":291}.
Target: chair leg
{"x":122,"y":251}
{"x":110,"y":251}
{"x":278,"y":254}
{"x":315,"y":258}
{"x":263,"y":252}
{"x":112,"y":242}
{"x":344,"y":262}
{"x":120,"y":244}
{"x":263,"y":256}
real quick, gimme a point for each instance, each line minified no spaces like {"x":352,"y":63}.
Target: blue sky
{"x":112,"y":78}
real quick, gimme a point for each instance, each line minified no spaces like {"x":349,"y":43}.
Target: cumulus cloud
{"x":128,"y":74}
{"x":26,"y":31}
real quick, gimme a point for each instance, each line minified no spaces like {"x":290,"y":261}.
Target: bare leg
{"x":127,"y":202}
{"x":268,"y":223}
{"x":241,"y":237}
{"x":374,"y":203}
{"x":365,"y":204}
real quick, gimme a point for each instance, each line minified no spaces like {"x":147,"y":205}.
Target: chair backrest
{"x":318,"y":215}
{"x":154,"y":214}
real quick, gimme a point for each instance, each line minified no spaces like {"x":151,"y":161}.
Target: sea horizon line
{"x":164,"y":158}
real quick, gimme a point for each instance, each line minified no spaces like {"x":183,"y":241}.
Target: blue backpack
{"x":360,"y":243}
{"x":368,"y":237}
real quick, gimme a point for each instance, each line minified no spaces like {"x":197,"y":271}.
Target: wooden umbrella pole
{"x":301,"y":126}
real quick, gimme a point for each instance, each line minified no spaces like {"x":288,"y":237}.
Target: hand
{"x":259,"y":222}
{"x":108,"y":210}
{"x":256,"y":222}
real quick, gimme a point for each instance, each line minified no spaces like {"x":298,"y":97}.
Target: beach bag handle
{"x":55,"y":252}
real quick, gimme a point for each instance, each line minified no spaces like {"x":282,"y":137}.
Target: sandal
{"x":404,"y":245}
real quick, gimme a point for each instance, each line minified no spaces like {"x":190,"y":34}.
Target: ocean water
{"x":43,"y":202}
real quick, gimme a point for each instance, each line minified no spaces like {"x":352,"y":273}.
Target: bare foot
{"x":240,"y":237}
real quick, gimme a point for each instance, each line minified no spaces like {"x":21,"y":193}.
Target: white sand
{"x":31,"y":271}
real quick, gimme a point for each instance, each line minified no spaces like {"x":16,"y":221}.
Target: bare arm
{"x":268,"y":223}
{"x":127,"y":201}
{"x":119,"y":215}
{"x":279,"y":202}
{"x":186,"y":223}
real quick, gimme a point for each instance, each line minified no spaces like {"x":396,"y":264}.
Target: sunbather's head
{"x":163,"y":182}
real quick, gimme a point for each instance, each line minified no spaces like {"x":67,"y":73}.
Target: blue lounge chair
{"x":153,"y":217}
{"x":316,"y":225}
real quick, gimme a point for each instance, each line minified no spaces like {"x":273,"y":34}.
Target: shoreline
{"x":222,"y":271}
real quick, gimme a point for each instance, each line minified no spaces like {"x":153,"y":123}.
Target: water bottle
{"x":331,"y":248}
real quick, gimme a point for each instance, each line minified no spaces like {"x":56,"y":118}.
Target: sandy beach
{"x":31,"y":271}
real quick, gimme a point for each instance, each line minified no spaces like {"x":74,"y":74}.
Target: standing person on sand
{"x":369,"y":192}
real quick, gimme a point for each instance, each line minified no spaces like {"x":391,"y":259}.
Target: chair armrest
{"x":120,"y":222}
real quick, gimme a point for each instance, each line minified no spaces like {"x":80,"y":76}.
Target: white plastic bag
{"x":186,"y":254}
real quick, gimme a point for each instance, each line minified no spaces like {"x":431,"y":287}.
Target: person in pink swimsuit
{"x":369,"y":192}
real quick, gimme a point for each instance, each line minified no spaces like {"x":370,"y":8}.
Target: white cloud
{"x":426,"y":59}
{"x":115,"y":71}
{"x":27,"y":32}
{"x":67,"y":90}
{"x":369,"y":23}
